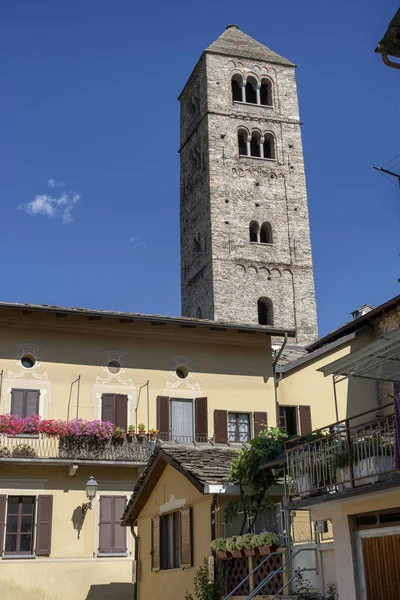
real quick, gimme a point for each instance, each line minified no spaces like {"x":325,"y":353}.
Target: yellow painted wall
{"x":233,"y":370}
{"x":172,"y":584}
{"x":306,"y":385}
{"x":73,"y":564}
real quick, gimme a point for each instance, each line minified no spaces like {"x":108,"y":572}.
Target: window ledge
{"x":257,"y":158}
{"x":111,"y":554}
{"x":253,"y":104}
{"x":17,"y":556}
{"x":262,"y":243}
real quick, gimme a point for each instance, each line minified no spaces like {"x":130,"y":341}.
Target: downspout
{"x":275,"y":362}
{"x":135,"y":585}
{"x":1,"y":383}
{"x":213,"y":529}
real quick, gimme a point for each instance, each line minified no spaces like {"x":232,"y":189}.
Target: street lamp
{"x":91,"y":491}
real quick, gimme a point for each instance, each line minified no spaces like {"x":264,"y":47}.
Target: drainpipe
{"x":1,"y":383}
{"x":275,"y":362}
{"x":213,"y":528}
{"x":135,"y":585}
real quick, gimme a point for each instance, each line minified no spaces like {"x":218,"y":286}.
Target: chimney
{"x":360,"y":312}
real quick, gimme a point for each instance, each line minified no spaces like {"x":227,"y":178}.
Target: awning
{"x":377,"y":360}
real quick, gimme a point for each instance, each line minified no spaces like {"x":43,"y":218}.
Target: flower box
{"x":251,"y":551}
{"x":237,"y":553}
{"x":223,"y":554}
{"x":265,"y":550}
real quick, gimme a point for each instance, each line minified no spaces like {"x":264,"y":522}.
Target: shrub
{"x":206,"y":586}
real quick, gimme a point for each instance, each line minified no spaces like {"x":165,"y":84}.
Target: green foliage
{"x":231,"y":543}
{"x":266,"y":538}
{"x":245,"y":541}
{"x":331,"y":593}
{"x":303,"y":588}
{"x":254,"y":481}
{"x":206,"y":586}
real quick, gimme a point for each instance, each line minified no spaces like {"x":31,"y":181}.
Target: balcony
{"x":341,"y":458}
{"x":52,"y":450}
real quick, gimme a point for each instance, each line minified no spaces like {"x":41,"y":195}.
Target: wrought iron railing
{"x":345,"y":455}
{"x":38,"y":447}
{"x":183,"y":439}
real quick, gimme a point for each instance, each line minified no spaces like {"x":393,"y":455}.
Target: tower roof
{"x":233,"y":42}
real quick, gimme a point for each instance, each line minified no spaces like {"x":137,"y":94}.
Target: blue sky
{"x":89,"y":102}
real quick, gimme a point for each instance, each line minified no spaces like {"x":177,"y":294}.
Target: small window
{"x":265,"y":311}
{"x":269,"y":146}
{"x":266,"y":233}
{"x":238,"y":427}
{"x":242,"y":143}
{"x":182,"y":372}
{"x":251,"y":93}
{"x":114,"y":367}
{"x":170,"y":541}
{"x":19,"y":526}
{"x":255,"y":145}
{"x":114,"y":409}
{"x":28,"y":361}
{"x":288,"y":419}
{"x":266,"y":92}
{"x":24,"y":403}
{"x":254,"y":230}
{"x":236,"y":86}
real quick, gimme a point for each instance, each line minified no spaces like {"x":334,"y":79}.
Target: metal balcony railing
{"x":342,"y":456}
{"x":26,"y":447}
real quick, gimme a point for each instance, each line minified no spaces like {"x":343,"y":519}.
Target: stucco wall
{"x":306,"y":385}
{"x":173,"y":583}
{"x":73,"y":564}
{"x":233,"y":370}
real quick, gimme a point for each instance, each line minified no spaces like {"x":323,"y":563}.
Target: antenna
{"x":391,"y":168}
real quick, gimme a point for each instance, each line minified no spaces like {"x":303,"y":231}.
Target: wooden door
{"x":381,"y":556}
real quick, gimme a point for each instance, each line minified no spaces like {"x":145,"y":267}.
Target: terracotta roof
{"x":233,"y":42}
{"x":201,"y":464}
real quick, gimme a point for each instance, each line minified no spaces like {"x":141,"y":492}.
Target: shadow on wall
{"x":111,"y":591}
{"x":77,"y":520}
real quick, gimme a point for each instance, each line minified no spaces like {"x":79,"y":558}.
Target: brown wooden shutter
{"x":43,"y":527}
{"x":163,"y":417}
{"x":108,"y":407}
{"x":305,"y":419}
{"x":106,"y":524}
{"x":3,"y":499}
{"x":31,"y":402}
{"x":121,"y":411}
{"x":155,"y":544}
{"x":260,"y":422}
{"x":186,"y":537}
{"x":201,"y":419}
{"x":221,"y":426}
{"x":119,"y":542}
{"x":17,"y":403}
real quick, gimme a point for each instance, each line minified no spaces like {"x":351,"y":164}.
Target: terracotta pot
{"x":250,"y":551}
{"x":131,"y":433}
{"x":264,"y":550}
{"x":142,"y":433}
{"x":153,"y":437}
{"x":223,"y":554}
{"x":237,"y":553}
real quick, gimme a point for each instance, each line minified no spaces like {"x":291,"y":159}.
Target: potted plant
{"x":267,"y":542}
{"x":231,"y":546}
{"x":119,"y":433}
{"x":142,"y":430}
{"x":131,"y":430}
{"x":248,"y":543}
{"x":341,"y":462}
{"x":153,"y":434}
{"x":219,"y":546}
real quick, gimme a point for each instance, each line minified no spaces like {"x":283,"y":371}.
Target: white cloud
{"x":53,"y":183}
{"x":44,"y":204}
{"x":136,"y":241}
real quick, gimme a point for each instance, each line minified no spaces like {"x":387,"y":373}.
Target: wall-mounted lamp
{"x":91,"y":491}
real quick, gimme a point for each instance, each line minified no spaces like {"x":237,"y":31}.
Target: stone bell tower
{"x":245,"y":238}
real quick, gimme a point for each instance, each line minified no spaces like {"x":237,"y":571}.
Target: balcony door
{"x":181,"y":419}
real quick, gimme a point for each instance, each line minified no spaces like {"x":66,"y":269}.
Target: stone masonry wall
{"x":232,"y":191}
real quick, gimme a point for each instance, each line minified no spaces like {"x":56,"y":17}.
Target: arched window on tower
{"x":265,"y":311}
{"x":242,"y":143}
{"x":236,"y":84}
{"x":254,"y":231}
{"x":269,"y":146}
{"x":266,"y":92}
{"x":251,"y":94}
{"x":266,"y":233}
{"x":255,"y":144}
